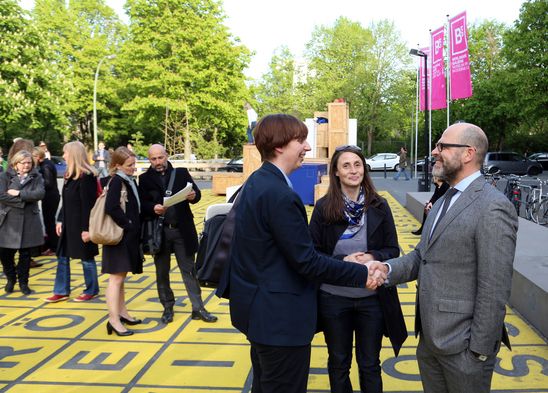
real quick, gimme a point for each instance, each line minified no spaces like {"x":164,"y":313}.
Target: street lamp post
{"x":424,"y":183}
{"x":95,"y":100}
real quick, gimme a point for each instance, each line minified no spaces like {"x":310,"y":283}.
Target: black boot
{"x":417,"y":232}
{"x":167,"y":315}
{"x":25,"y":288}
{"x":9,"y":286}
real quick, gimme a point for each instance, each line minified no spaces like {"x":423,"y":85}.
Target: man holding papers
{"x":179,"y":235}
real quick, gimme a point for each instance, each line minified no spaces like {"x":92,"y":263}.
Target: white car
{"x":379,"y":160}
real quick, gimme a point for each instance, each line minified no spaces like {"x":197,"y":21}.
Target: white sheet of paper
{"x":179,"y":197}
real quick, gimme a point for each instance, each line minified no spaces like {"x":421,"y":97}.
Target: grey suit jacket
{"x":464,"y":272}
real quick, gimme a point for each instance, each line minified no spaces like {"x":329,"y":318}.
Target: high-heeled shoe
{"x":129,"y":321}
{"x":111,"y":329}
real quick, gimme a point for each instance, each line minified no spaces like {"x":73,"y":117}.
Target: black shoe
{"x":129,"y":321}
{"x":204,"y":315}
{"x":417,"y":232}
{"x":33,"y":263}
{"x":111,"y":329}
{"x":9,"y":286}
{"x":25,"y":289}
{"x":167,"y":315}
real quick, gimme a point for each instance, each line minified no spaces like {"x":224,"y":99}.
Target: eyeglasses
{"x":440,"y":145}
{"x":348,"y":147}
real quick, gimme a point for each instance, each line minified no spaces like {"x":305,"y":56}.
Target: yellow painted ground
{"x":63,"y":347}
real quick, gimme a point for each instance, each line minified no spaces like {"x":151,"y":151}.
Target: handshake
{"x":377,"y":271}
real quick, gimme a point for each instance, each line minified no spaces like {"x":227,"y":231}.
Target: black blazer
{"x":275,"y":271}
{"x":128,"y":248}
{"x":382,"y":243}
{"x":152,"y":191}
{"x":78,"y":199}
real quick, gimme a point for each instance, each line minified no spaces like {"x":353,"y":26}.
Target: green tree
{"x":366,"y":66}
{"x":279,"y":90}
{"x":30,"y":86}
{"x":83,"y":32}
{"x":182,"y":74}
{"x":527,"y":54}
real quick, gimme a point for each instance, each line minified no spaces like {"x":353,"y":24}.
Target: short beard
{"x":448,"y":171}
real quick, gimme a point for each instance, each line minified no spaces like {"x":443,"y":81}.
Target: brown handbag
{"x":102,"y":228}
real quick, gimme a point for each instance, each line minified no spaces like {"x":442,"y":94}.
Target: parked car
{"x":234,"y":165}
{"x":60,"y":165}
{"x":420,"y":164}
{"x":509,"y":162}
{"x":541,"y":158}
{"x":379,"y":160}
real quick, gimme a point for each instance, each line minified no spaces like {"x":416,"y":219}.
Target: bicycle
{"x":513,"y":191}
{"x":537,"y":203}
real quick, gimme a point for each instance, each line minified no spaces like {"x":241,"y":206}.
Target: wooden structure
{"x":222,"y":180}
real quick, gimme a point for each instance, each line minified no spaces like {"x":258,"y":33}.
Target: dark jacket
{"x":439,"y":192}
{"x":382,"y":243}
{"x":20,"y":225}
{"x":152,"y":191}
{"x":275,"y":272}
{"x":49,"y":173}
{"x":78,"y":198}
{"x":127,"y":252}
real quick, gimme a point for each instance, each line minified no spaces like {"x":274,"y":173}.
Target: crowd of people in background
{"x":36,"y":219}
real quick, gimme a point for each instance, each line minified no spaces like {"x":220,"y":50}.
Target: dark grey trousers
{"x":458,"y":373}
{"x":174,"y":243}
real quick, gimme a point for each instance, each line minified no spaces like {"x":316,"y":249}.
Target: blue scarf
{"x":353,"y":213}
{"x":131,"y":181}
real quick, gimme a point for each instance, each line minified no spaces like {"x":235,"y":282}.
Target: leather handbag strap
{"x":171,"y":181}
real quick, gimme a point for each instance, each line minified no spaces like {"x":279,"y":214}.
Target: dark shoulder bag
{"x":215,"y":244}
{"x":152,"y":230}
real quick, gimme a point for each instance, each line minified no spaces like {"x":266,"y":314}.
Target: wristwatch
{"x":479,"y":356}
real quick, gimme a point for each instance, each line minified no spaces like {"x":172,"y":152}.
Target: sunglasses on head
{"x":348,"y":148}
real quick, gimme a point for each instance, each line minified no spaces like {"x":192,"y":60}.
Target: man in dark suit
{"x":463,"y":267}
{"x":275,"y":271}
{"x":179,"y":235}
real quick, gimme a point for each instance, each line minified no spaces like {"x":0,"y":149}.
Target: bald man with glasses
{"x":463,"y":267}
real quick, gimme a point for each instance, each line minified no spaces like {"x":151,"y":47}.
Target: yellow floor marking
{"x":63,"y":347}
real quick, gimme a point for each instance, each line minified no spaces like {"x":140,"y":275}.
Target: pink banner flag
{"x":438,"y":96}
{"x":461,"y":82}
{"x":422,"y":78}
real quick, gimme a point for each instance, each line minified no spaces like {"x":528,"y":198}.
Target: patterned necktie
{"x":446,"y":202}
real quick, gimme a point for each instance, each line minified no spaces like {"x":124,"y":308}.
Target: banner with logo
{"x":460,"y":79}
{"x":439,"y":88}
{"x":422,"y":78}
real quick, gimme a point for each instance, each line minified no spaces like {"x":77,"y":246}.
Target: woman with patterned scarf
{"x":353,"y":219}
{"x":125,"y":256}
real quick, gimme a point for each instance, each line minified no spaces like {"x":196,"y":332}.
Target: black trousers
{"x":280,"y":369}
{"x":7,"y":255}
{"x":49,"y":210}
{"x":345,"y":321}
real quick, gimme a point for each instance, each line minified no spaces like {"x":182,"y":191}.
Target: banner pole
{"x":448,"y":70}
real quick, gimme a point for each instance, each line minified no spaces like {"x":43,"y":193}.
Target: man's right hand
{"x":160,"y":209}
{"x":377,"y":274}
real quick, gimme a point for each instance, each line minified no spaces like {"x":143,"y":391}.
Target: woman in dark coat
{"x":352,"y":219}
{"x":78,"y":197}
{"x":21,"y":187}
{"x":441,"y":187}
{"x":125,"y":256}
{"x":50,"y":203}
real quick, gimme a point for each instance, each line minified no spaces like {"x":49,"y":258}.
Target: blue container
{"x":305,"y":178}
